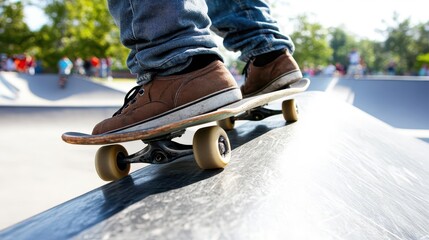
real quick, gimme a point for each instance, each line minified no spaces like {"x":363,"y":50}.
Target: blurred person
{"x":329,"y":70}
{"x":340,"y":69}
{"x":363,"y":67}
{"x":65,"y":67}
{"x":109,"y":68}
{"x":391,"y":68}
{"x":87,"y":67}
{"x":354,"y":69}
{"x":103,"y":68}
{"x":179,"y":70}
{"x":424,"y":70}
{"x":39,"y":67}
{"x":3,"y":59}
{"x":30,"y":65}
{"x":78,"y":66}
{"x":95,"y":66}
{"x":20,"y":63}
{"x":10,"y":64}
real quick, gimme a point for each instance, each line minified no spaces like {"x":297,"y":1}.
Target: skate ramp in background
{"x":402,"y":102}
{"x":336,"y":173}
{"x":43,"y":90}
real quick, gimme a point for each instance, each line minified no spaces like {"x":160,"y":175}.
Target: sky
{"x":358,"y":17}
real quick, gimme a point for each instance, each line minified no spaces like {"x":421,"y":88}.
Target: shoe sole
{"x":203,"y":105}
{"x":278,"y":83}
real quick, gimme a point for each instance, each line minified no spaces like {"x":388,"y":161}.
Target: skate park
{"x":354,"y":166}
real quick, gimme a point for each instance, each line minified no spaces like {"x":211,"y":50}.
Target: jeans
{"x":163,"y":35}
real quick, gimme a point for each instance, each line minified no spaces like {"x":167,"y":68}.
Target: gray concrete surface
{"x":38,"y":171}
{"x":346,"y":176}
{"x":400,"y":101}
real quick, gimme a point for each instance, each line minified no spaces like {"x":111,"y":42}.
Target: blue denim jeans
{"x":163,"y":34}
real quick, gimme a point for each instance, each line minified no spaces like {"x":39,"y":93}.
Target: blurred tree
{"x":79,"y":28}
{"x":82,"y":28}
{"x":15,"y":35}
{"x":342,"y":43}
{"x":368,"y":51}
{"x":423,"y":58}
{"x":312,"y":44}
{"x":400,"y":45}
{"x":422,"y":44}
{"x":379,"y":63}
{"x":422,"y":37}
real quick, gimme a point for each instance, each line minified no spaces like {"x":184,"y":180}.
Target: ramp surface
{"x":18,"y":89}
{"x":402,"y":102}
{"x":37,"y":169}
{"x":337,"y":173}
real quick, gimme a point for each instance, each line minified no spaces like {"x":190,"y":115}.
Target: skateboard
{"x":210,"y":146}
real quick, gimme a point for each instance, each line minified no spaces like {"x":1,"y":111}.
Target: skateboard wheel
{"x":107,"y":165}
{"x":227,"y":123}
{"x":290,"y":110}
{"x":211,"y":148}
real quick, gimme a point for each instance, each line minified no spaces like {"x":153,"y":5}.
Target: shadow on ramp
{"x":71,"y":218}
{"x":336,"y":173}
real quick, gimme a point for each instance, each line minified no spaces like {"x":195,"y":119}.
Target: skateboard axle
{"x":257,"y":114}
{"x":157,"y":152}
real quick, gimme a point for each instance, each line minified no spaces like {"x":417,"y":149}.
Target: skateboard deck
{"x":210,"y":146}
{"x":221,"y":113}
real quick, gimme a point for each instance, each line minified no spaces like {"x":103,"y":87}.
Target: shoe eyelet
{"x":133,"y":101}
{"x":141,"y":92}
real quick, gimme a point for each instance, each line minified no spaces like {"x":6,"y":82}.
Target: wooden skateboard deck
{"x":222,"y":113}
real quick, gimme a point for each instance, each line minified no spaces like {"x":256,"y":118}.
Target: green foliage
{"x":311,"y":39}
{"x":423,"y":58}
{"x":77,"y":28}
{"x":399,"y":45}
{"x":84,"y":28}
{"x":404,"y":43}
{"x":341,"y":43}
{"x":15,"y":36}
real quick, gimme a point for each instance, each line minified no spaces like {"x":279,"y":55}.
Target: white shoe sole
{"x":278,"y":83}
{"x":195,"y":108}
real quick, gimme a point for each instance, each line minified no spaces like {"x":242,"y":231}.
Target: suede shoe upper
{"x":165,"y":93}
{"x":275,"y":75}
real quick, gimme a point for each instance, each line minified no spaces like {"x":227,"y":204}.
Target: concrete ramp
{"x":18,"y":89}
{"x":400,"y":101}
{"x":337,"y":173}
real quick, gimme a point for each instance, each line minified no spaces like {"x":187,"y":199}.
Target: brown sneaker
{"x":273,"y":76}
{"x":168,"y":99}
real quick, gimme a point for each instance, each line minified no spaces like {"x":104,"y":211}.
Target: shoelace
{"x":130,"y":97}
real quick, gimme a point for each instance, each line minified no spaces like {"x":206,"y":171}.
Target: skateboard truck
{"x":160,"y":150}
{"x":157,"y":152}
{"x":257,"y":114}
